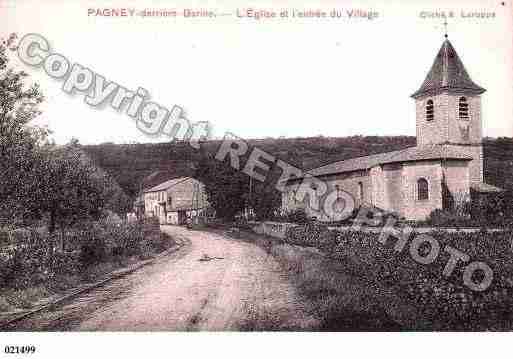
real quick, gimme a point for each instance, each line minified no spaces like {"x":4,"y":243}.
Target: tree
{"x":226,"y":188}
{"x":70,"y":188}
{"x":117,"y":200}
{"x":19,"y":142}
{"x":38,"y":179}
{"x":265,"y":200}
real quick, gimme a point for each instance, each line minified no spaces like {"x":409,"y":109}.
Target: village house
{"x":176,"y":200}
{"x":444,"y":167}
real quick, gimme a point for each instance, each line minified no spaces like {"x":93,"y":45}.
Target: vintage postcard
{"x":235,"y":166}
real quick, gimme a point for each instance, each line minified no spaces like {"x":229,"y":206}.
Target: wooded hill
{"x":136,"y":166}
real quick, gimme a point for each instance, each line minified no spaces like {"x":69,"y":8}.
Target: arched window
{"x":463,"y":108}
{"x":422,"y":189}
{"x":430,"y":110}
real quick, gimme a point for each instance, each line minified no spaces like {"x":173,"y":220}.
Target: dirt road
{"x":214,"y":283}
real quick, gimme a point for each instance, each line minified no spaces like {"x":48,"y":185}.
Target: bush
{"x":297,"y":216}
{"x":66,"y":263}
{"x":493,"y":209}
{"x":35,"y":258}
{"x":92,"y":251}
{"x":442,"y":218}
{"x":313,"y":234}
{"x":4,"y":237}
{"x":27,"y":262}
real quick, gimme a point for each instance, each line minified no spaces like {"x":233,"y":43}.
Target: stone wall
{"x":457,"y":126}
{"x":394,"y":185}
{"x":378,"y":187}
{"x":457,"y":180}
{"x":437,"y":130}
{"x":351,"y":184}
{"x":273,"y":229}
{"x":348,"y":182}
{"x":446,"y":126}
{"x":476,"y":172}
{"x":413,"y":207}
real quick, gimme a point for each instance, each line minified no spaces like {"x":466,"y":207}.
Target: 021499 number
{"x":15,"y":349}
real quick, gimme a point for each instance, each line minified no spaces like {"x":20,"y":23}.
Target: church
{"x":440,"y":172}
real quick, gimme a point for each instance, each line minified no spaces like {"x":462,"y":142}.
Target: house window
{"x":463,"y":108}
{"x":422,"y":189}
{"x":360,"y":191}
{"x":430,"y":110}
{"x":293,"y":196}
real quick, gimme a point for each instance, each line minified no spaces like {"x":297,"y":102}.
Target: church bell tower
{"x":448,"y":109}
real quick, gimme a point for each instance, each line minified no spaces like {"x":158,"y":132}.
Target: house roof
{"x":165,"y":185}
{"x":447,"y":73}
{"x":420,"y":153}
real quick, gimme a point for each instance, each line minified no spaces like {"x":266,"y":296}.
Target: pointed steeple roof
{"x":446,"y":74}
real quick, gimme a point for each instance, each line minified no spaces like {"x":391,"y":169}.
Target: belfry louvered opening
{"x":430,"y":110}
{"x":463,"y":109}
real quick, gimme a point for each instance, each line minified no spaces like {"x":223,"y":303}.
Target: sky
{"x":272,"y":77}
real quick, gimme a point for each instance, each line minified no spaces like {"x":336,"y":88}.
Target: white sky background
{"x":269,"y":77}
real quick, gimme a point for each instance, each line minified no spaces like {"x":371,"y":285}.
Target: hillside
{"x":136,"y":166}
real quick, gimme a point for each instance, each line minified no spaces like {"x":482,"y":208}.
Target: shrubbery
{"x":441,"y":218}
{"x":313,"y":234}
{"x":35,"y":257}
{"x":484,"y":210}
{"x":444,"y":300}
{"x":297,"y":216}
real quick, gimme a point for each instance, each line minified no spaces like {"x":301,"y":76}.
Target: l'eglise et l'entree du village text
{"x":258,"y":14}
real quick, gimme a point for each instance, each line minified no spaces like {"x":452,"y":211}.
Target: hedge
{"x":34,"y":257}
{"x":446,"y":300}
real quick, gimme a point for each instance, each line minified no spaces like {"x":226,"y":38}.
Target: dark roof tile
{"x":168,"y":184}
{"x":446,"y":74}
{"x":420,"y":153}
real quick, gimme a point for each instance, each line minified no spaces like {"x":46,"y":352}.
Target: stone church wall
{"x":394,"y":187}
{"x":476,"y":172}
{"x":457,"y":180}
{"x":348,"y":182}
{"x":413,"y":207}
{"x":351,"y":184}
{"x":457,"y":128}
{"x":378,"y":187}
{"x":447,"y":128}
{"x":435,"y":131}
